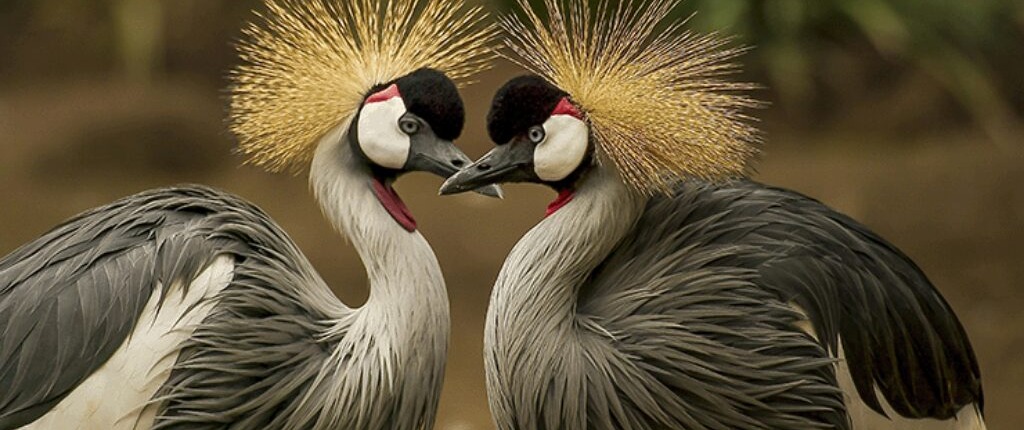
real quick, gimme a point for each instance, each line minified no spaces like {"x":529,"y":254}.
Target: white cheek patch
{"x":563,"y":150}
{"x":380,"y":138}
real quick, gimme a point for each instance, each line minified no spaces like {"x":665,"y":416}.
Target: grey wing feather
{"x":70,"y":298}
{"x":256,"y":357}
{"x":698,"y":343}
{"x":896,"y":329}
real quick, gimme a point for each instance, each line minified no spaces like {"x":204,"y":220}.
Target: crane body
{"x":724,"y":305}
{"x":189,"y":308}
{"x":206,"y":310}
{"x":664,"y":289}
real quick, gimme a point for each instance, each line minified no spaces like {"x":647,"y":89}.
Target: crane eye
{"x":536,"y":134}
{"x":409,"y":126}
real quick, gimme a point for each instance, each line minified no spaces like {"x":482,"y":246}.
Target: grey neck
{"x":533,"y":311}
{"x":399,"y":337}
{"x":400,"y":265}
{"x":539,"y":283}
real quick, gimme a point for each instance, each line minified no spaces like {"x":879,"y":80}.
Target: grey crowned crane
{"x":663,"y":290}
{"x":188,"y":308}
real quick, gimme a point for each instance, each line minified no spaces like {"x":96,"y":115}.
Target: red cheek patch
{"x":565,"y":107}
{"x":384,"y":95}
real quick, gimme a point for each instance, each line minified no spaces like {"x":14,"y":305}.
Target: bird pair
{"x":661,"y":291}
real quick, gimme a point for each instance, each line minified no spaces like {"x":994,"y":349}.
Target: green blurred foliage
{"x":817,"y":58}
{"x":137,"y":39}
{"x":813,"y":52}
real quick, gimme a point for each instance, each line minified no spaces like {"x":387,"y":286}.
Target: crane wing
{"x":70,"y":298}
{"x":897,"y":332}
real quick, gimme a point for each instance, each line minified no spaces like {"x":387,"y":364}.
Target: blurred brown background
{"x":905,"y":115}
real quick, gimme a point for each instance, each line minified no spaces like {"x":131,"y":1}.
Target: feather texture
{"x":69,"y":299}
{"x":656,"y":98}
{"x":309,"y":63}
{"x":274,"y":349}
{"x":116,"y":395}
{"x":899,"y":334}
{"x":689,"y":310}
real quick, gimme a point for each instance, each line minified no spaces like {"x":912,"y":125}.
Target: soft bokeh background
{"x":904,"y":114}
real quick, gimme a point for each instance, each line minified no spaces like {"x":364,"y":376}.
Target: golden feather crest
{"x":307,"y":64}
{"x":656,"y":99}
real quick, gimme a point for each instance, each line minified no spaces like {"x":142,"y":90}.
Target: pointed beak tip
{"x":448,"y":187}
{"x":492,"y":190}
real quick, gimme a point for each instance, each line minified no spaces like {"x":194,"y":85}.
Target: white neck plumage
{"x":400,"y":265}
{"x":539,"y":283}
{"x":401,"y":334}
{"x":533,"y":305}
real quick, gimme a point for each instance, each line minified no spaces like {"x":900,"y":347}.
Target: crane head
{"x":409,"y":125}
{"x":309,"y":66}
{"x":378,"y":73}
{"x":633,"y":87}
{"x":541,"y":137}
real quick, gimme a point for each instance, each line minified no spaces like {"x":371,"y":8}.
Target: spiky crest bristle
{"x":307,"y":64}
{"x":656,"y":99}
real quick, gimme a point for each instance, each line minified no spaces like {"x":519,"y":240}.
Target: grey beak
{"x":460,"y":181}
{"x":505,"y":163}
{"x":493,"y":190}
{"x":444,"y":159}
{"x":490,"y":190}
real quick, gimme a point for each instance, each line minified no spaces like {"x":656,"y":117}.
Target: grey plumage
{"x":189,"y":308}
{"x":684,"y":311}
{"x":252,"y":362}
{"x":256,"y":362}
{"x":276,"y":350}
{"x":897,"y":330}
{"x":70,"y":298}
{"x":712,"y":305}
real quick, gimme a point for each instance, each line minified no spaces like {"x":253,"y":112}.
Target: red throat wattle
{"x":394,"y":205}
{"x":564,"y":197}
